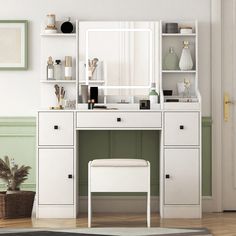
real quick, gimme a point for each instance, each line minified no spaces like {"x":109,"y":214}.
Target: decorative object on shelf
{"x":51,"y":24}
{"x":181,"y":88}
{"x":186,"y":30}
{"x":153,"y":95}
{"x":92,"y":64}
{"x":57,"y":70}
{"x":94,"y":94}
{"x":68,"y":68}
{"x":14,"y":44}
{"x":70,"y":104}
{"x":171,"y":28}
{"x":50,"y":69}
{"x":144,"y":104}
{"x":67,"y":27}
{"x":84,"y":93}
{"x":60,"y":94}
{"x":167,"y":92}
{"x":13,"y":174}
{"x":186,"y":62}
{"x":171,"y":61}
{"x":187,"y":85}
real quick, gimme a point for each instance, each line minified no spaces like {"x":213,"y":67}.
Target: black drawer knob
{"x":167,"y":176}
{"x":70,"y":176}
{"x":56,"y":127}
{"x":181,"y":127}
{"x":118,"y":119}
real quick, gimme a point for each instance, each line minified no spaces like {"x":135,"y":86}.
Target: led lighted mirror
{"x":118,"y":55}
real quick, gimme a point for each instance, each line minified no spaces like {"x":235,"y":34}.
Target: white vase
{"x":186,"y":62}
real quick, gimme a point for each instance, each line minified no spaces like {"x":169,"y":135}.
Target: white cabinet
{"x":56,"y":165}
{"x":129,"y":119}
{"x":181,"y":128}
{"x":56,"y":128}
{"x":56,"y":176}
{"x":182,"y":182}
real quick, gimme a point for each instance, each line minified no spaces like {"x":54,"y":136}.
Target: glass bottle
{"x":171,"y":61}
{"x":50,"y":69}
{"x":153,"y":95}
{"x":57,"y":70}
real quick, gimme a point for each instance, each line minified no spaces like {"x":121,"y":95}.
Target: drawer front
{"x":181,"y":128}
{"x":56,"y":128}
{"x":118,"y":119}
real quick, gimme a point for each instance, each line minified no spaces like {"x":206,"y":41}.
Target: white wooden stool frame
{"x":118,"y":179}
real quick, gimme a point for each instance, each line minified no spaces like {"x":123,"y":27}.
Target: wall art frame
{"x":13,"y":44}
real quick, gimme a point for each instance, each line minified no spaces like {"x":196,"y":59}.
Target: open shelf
{"x":92,"y":81}
{"x":178,"y":35}
{"x":57,"y":81}
{"x":58,"y":35}
{"x":179,"y":71}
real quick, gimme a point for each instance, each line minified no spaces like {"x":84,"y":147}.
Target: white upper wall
{"x":20,"y":90}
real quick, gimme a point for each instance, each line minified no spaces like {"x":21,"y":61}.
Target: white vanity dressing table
{"x":178,"y":122}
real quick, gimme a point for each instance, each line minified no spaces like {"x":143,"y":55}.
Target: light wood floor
{"x":217,"y":223}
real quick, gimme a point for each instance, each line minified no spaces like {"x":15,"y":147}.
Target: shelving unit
{"x":58,"y":46}
{"x":170,"y":78}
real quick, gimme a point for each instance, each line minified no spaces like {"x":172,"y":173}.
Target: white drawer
{"x":56,"y":128}
{"x":181,"y":128}
{"x":96,"y":119}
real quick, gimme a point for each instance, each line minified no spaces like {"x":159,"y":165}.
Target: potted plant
{"x":15,"y":203}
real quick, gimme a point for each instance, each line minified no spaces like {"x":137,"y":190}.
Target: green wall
{"x":17,"y":139}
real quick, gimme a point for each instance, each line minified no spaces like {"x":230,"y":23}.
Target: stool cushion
{"x":119,"y":162}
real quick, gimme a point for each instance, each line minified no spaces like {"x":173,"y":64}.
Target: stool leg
{"x":148,"y":210}
{"x":89,"y":198}
{"x":89,"y":210}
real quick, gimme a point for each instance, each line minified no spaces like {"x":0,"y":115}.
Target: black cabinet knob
{"x":167,"y":176}
{"x":70,"y":176}
{"x":56,"y":127}
{"x":118,"y":119}
{"x":181,"y":127}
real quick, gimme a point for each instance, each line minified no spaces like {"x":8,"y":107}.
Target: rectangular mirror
{"x":119,"y":56}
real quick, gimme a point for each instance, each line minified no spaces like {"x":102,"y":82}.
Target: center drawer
{"x":96,"y":119}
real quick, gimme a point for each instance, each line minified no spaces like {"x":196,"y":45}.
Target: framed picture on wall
{"x":13,"y":44}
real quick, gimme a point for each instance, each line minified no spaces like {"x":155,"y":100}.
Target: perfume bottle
{"x":153,"y":95}
{"x":57,"y":70}
{"x":50,"y":69}
{"x":171,"y":61}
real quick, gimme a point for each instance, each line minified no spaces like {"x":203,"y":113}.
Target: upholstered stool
{"x":118,"y":175}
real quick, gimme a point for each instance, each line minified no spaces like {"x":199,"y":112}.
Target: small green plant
{"x":12,"y":173}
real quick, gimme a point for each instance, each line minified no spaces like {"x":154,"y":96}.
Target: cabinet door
{"x":55,"y":176}
{"x":182,"y":179}
{"x":181,"y":128}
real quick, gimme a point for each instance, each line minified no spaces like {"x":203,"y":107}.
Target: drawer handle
{"x":70,"y":176}
{"x":118,"y":119}
{"x":56,"y":127}
{"x":181,"y":127}
{"x":167,"y":176}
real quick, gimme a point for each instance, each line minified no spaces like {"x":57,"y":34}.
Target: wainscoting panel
{"x":17,"y":140}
